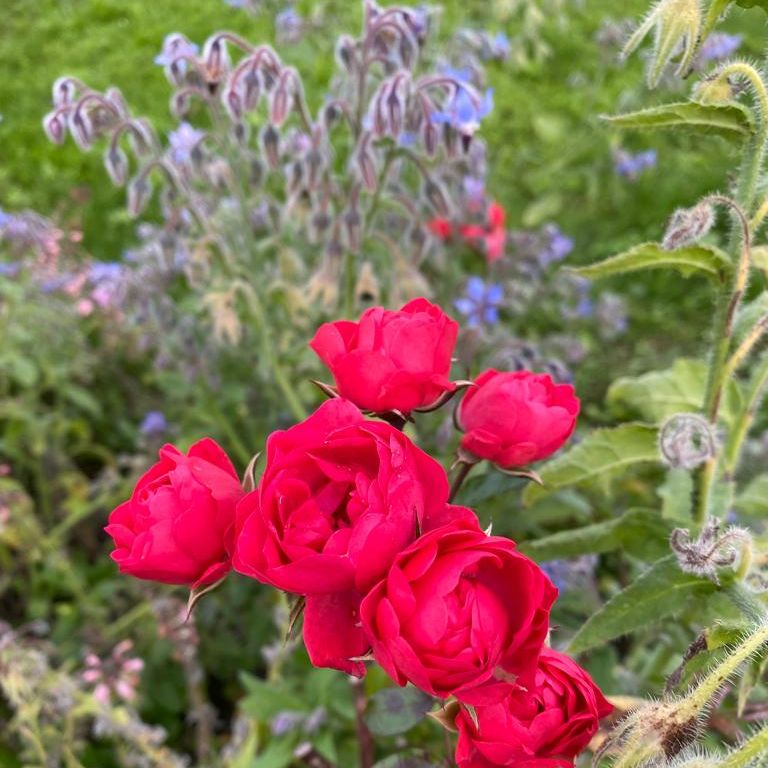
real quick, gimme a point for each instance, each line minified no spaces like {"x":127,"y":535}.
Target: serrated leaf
{"x":661,"y":591}
{"x":689,"y":260}
{"x":601,"y":454}
{"x":729,"y":120}
{"x":753,"y":500}
{"x":657,"y":395}
{"x":396,"y":710}
{"x":638,"y":531}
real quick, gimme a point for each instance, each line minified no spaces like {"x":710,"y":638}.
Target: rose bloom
{"x":457,"y":609}
{"x":178,"y":525}
{"x":545,"y":727}
{"x":339,"y":498}
{"x":493,"y":235}
{"x":515,"y":418}
{"x":390,"y":360}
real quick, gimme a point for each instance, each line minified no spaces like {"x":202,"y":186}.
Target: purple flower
{"x":481,"y":302}
{"x":105,"y":272}
{"x":183,"y":140}
{"x":570,"y":574}
{"x":717,"y":47}
{"x":285,"y":722}
{"x":10,"y":269}
{"x":474,"y":189}
{"x":500,"y":47}
{"x":556,"y":247}
{"x":463,"y":113}
{"x":175,"y":47}
{"x":237,"y":3}
{"x":289,"y":26}
{"x":631,"y":166}
{"x":5,"y":218}
{"x":154,"y":424}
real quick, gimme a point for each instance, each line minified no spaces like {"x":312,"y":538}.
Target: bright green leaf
{"x":729,"y":120}
{"x":638,"y":531}
{"x":601,"y":454}
{"x":676,"y":494}
{"x":689,"y":260}
{"x":661,"y":591}
{"x":403,"y":761}
{"x":753,"y":500}
{"x":657,"y":395}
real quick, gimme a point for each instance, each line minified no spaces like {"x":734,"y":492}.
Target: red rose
{"x":339,"y":498}
{"x":493,"y":235}
{"x":390,"y":360}
{"x":516,"y":418}
{"x":457,"y":609}
{"x":178,"y":525}
{"x":545,"y":727}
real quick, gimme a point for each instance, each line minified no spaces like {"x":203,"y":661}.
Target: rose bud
{"x":178,"y":526}
{"x":390,"y":361}
{"x":515,"y":418}
{"x":340,"y":496}
{"x":457,"y":609}
{"x":545,"y":727}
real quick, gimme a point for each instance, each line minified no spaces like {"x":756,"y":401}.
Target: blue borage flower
{"x":182,"y":141}
{"x":718,"y":46}
{"x":631,"y":166}
{"x":463,"y":112}
{"x":480,"y":304}
{"x":154,"y":423}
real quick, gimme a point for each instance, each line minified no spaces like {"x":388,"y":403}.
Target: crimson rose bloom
{"x":457,"y":609}
{"x":178,"y":525}
{"x":390,"y":360}
{"x":516,"y":418}
{"x":546,"y":727}
{"x":339,"y":498}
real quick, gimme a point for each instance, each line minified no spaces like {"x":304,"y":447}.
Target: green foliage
{"x":601,"y":455}
{"x":688,"y":261}
{"x":661,"y":591}
{"x":729,"y":120}
{"x":396,"y":710}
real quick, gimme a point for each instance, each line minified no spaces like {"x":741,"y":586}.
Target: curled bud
{"x":251,"y":88}
{"x":55,"y":127}
{"x":367,"y":287}
{"x":270,"y":141}
{"x":345,"y":53}
{"x":116,"y":164}
{"x":713,"y":549}
{"x":64,"y":90}
{"x":233,"y":103}
{"x":81,"y":128}
{"x":139,"y":192}
{"x":686,"y":441}
{"x":688,"y":226}
{"x":115,"y":97}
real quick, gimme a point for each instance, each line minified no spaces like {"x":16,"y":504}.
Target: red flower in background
{"x":490,"y":237}
{"x":178,"y":525}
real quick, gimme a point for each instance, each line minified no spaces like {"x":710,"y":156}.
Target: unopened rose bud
{"x":688,"y":225}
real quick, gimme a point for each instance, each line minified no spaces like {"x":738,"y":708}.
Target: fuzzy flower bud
{"x":716,"y":89}
{"x":55,"y":127}
{"x":713,"y":549}
{"x":688,"y":226}
{"x":676,"y":23}
{"x":686,"y":441}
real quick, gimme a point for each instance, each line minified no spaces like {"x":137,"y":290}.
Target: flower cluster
{"x":357,"y":522}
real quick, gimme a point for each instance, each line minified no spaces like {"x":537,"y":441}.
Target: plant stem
{"x":746,"y":418}
{"x":463,"y":470}
{"x":743,"y":756}
{"x":364,"y":738}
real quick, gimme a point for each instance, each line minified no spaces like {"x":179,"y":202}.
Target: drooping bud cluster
{"x":686,"y":441}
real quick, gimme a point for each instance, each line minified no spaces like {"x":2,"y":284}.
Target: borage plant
{"x":358,"y":525}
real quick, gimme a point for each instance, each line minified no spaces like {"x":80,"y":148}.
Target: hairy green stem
{"x":754,"y":747}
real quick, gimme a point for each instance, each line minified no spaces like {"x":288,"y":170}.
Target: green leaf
{"x":263,"y":699}
{"x":490,"y":485}
{"x":689,"y":260}
{"x":600,"y":455}
{"x":753,"y":4}
{"x":396,"y":710}
{"x":661,"y":591}
{"x":278,"y":754}
{"x":639,"y":531}
{"x":657,"y":395}
{"x":753,"y":500}
{"x":676,"y":493}
{"x":729,"y":120}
